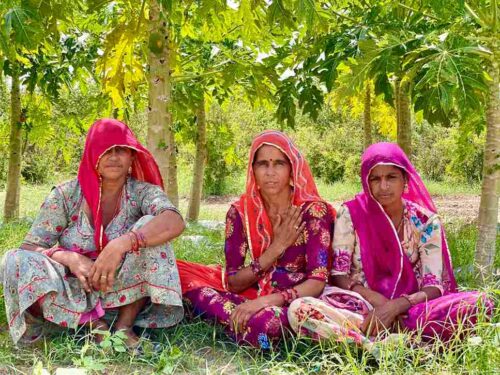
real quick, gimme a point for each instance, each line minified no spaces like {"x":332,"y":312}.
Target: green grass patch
{"x":452,"y":188}
{"x":199,"y":347}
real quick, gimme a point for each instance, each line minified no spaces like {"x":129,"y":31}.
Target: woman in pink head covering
{"x":391,"y":268}
{"x":99,"y":243}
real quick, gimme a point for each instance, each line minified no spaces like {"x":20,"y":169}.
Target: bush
{"x":332,"y":145}
{"x":223,"y":162}
{"x":37,"y":165}
{"x":466,"y":156}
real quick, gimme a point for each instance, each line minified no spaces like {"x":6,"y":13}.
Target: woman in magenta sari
{"x":284,"y":227}
{"x":391,"y":266}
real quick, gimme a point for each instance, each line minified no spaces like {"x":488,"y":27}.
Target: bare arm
{"x":163,"y":228}
{"x":308,"y":288}
{"x":345,"y":282}
{"x":245,"y":278}
{"x":158,"y":230}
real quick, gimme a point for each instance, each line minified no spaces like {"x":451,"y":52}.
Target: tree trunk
{"x":404,"y":117}
{"x":199,"y":164}
{"x":160,"y":139}
{"x":11,"y":208}
{"x":172,"y":187}
{"x":367,"y":121}
{"x":488,"y":208}
{"x":396,"y":103}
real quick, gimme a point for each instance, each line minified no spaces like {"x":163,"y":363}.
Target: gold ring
{"x":296,"y":227}
{"x":104,"y":277}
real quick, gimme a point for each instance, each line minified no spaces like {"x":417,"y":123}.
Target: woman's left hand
{"x":242,"y":313}
{"x":380,"y":318}
{"x":102,"y":273}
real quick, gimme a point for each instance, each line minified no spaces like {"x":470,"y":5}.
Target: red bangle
{"x":51,"y":251}
{"x":141,"y":238}
{"x":289,"y":295}
{"x":134,"y":243}
{"x":286,"y":297}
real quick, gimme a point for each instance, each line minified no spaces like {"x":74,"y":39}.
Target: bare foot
{"x":132,"y":340}
{"x":98,"y":325}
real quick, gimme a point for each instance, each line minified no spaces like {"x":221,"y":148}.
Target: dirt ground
{"x":463,"y":208}
{"x":458,"y":207}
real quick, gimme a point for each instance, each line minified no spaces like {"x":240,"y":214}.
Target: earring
{"x":130,"y":170}
{"x":406,"y":187}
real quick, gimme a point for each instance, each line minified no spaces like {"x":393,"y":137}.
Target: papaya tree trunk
{"x":172,"y":186}
{"x":199,"y":164}
{"x":11,"y":207}
{"x":488,"y":208}
{"x":404,"y":118}
{"x":396,"y":102}
{"x":160,"y":138}
{"x":158,"y":75}
{"x":367,"y":120}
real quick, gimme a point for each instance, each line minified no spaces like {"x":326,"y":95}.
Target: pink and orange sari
{"x":257,"y":226}
{"x":249,"y":232}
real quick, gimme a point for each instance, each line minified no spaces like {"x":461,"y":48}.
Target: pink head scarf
{"x":102,"y":136}
{"x":387,"y":269}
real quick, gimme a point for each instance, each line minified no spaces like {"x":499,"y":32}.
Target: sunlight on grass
{"x":199,"y":347}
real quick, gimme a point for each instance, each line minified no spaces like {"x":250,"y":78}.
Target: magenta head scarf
{"x":387,"y":269}
{"x":103,"y":135}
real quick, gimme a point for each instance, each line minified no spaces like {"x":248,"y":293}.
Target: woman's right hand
{"x":287,"y":228}
{"x":78,"y":264}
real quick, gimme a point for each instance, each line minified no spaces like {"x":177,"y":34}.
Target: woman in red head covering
{"x":284,"y":227}
{"x":100,"y":242}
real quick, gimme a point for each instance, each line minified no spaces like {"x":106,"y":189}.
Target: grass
{"x":195,"y":346}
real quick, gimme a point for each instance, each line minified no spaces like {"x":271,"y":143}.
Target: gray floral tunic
{"x":30,"y":276}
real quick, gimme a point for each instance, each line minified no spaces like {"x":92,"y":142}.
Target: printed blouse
{"x":421,"y":244}
{"x":308,"y":258}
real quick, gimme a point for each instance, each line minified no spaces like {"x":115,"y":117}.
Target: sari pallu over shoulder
{"x":103,"y":135}
{"x":257,"y":225}
{"x":387,"y":269}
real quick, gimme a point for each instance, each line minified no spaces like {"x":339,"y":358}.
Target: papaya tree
{"x":228,"y":68}
{"x":486,"y":15}
{"x":151,"y":34}
{"x":455,"y":74}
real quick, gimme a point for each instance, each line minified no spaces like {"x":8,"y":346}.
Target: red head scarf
{"x":250,"y":206}
{"x":103,"y":135}
{"x":257,"y":225}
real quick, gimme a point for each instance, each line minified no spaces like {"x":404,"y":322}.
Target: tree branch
{"x":417,"y":11}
